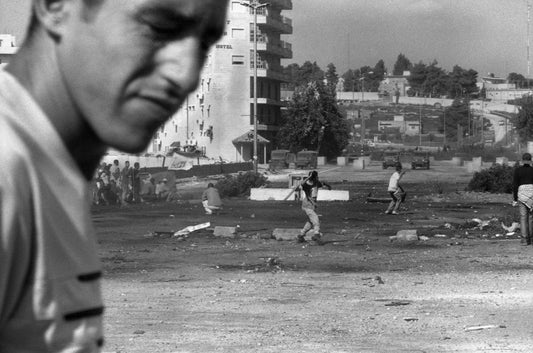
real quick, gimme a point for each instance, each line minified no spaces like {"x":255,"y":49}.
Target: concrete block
{"x":285,"y":233}
{"x":359,"y":164}
{"x":405,"y":235}
{"x":274,"y":194}
{"x":342,"y":161}
{"x":225,"y":232}
{"x":333,"y":195}
{"x":321,"y":160}
{"x":458,"y":161}
{"x":502,"y":160}
{"x":472,"y":167}
{"x":278,"y":194}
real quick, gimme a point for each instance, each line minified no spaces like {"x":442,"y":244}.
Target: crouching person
{"x":211,"y":199}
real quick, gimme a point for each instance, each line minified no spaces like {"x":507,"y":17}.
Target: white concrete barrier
{"x":333,"y":195}
{"x":321,"y":160}
{"x":472,"y":166}
{"x":341,"y":161}
{"x":458,"y":161}
{"x":278,"y":194}
{"x":274,"y":194}
{"x":502,"y":160}
{"x":359,"y":164}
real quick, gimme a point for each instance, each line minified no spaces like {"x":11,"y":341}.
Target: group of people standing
{"x":115,"y":185}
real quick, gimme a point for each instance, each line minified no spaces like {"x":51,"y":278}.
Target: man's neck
{"x":43,"y":80}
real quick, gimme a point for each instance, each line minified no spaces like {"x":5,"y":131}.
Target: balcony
{"x":279,"y":48}
{"x":265,"y":70}
{"x":279,"y":24}
{"x":281,"y":4}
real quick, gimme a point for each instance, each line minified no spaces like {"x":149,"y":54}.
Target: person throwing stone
{"x":310,"y":188}
{"x":395,"y":190}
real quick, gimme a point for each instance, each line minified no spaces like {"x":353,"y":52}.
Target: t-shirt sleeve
{"x":15,"y":245}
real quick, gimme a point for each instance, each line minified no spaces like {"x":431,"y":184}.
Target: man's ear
{"x":52,"y":15}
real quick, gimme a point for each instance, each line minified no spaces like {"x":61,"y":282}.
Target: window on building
{"x":237,"y":59}
{"x":238,"y":33}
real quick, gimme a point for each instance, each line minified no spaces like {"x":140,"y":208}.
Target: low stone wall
{"x":205,"y":170}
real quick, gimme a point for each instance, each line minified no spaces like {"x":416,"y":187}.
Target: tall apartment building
{"x":218,"y":118}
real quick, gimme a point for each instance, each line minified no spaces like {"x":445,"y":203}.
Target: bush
{"x":240,"y":184}
{"x":496,"y":179}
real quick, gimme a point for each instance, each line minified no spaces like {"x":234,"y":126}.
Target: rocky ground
{"x":465,"y":286}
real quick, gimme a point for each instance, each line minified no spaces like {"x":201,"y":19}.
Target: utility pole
{"x":420,"y":126}
{"x":528,"y":21}
{"x":362,"y":79}
{"x":255,"y":5}
{"x":444,"y":124}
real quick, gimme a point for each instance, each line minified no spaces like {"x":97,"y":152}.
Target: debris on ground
{"x":405,"y":235}
{"x":512,"y":228}
{"x":410,"y":319}
{"x":483,"y":327}
{"x":398,"y":303}
{"x":191,"y":229}
{"x":226,"y":232}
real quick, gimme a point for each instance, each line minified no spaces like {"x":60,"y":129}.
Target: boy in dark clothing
{"x":523,"y":197}
{"x":310,"y":188}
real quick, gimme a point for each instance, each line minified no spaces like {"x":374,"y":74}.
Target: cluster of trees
{"x":313,"y":121}
{"x":425,"y":80}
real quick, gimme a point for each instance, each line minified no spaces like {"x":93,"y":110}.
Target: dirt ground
{"x":468,"y":287}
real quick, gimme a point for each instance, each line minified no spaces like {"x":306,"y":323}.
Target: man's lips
{"x":166,"y":106}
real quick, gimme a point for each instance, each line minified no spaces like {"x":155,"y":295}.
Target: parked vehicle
{"x":420,"y":160}
{"x":280,"y":159}
{"x":390,"y":159}
{"x":306,"y":159}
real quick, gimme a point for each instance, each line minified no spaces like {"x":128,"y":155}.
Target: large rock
{"x":285,"y":233}
{"x":405,"y":235}
{"x":225,"y":232}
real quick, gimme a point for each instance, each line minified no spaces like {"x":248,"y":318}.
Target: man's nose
{"x":180,"y":63}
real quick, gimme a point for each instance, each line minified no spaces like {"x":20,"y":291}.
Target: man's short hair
{"x":526,"y":157}
{"x":210,"y":185}
{"x":398,"y":166}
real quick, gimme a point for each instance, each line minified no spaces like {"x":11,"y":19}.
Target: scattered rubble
{"x":484,"y":327}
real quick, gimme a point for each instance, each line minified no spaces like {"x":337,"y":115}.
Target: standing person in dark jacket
{"x":310,"y":188}
{"x":523,"y":197}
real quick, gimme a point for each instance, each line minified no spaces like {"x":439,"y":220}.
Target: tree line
{"x":425,"y":79}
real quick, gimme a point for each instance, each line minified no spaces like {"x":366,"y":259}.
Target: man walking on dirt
{"x":310,"y":188}
{"x":523,"y":197}
{"x":395,"y":190}
{"x":91,"y":74}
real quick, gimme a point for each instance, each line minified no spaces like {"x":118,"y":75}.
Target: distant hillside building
{"x":217,"y":119}
{"x":399,"y":124}
{"x":498,"y":89}
{"x":8,"y":48}
{"x":395,"y":85}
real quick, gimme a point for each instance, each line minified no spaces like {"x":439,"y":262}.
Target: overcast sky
{"x":484,"y":35}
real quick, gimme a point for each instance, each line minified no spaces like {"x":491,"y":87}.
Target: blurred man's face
{"x":129,"y":64}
